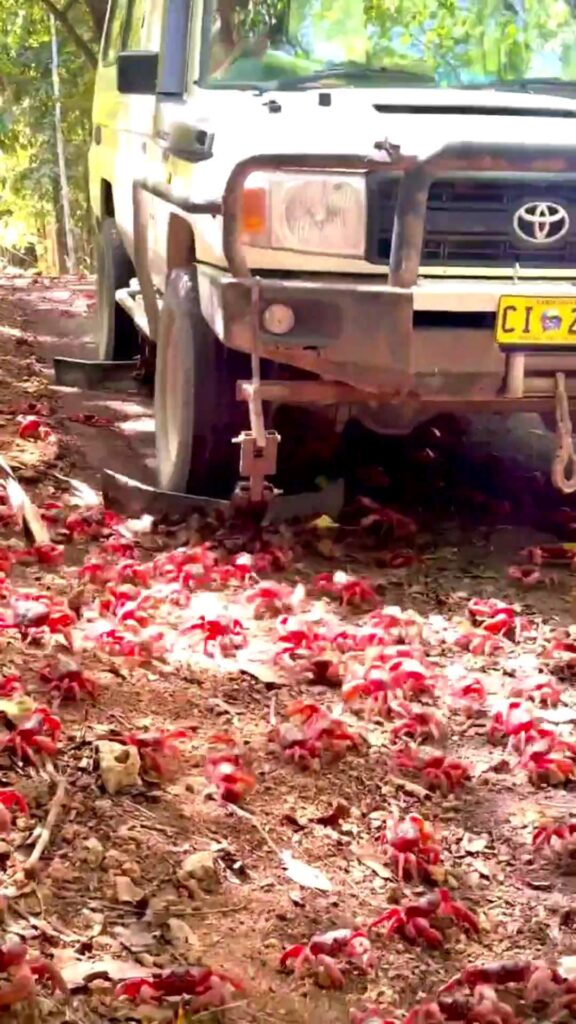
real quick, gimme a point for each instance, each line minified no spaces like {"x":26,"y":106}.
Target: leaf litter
{"x":422,"y":731}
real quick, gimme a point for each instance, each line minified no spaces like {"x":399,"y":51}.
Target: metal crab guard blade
{"x":95,"y":374}
{"x":131,"y":497}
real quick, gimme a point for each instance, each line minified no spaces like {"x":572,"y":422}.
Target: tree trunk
{"x":97,"y":12}
{"x":61,"y":14}
{"x":64,"y":189}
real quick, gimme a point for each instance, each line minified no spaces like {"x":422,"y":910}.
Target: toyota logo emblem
{"x":541,"y":223}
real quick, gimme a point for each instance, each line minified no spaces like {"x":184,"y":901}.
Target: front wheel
{"x":197,"y":414}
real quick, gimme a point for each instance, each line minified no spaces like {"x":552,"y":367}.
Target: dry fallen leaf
{"x":473,"y":844}
{"x":135,"y":937}
{"x":126,"y":891}
{"x":304,"y":874}
{"x":77,"y":973}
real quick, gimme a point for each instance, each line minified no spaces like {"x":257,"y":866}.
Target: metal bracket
{"x":257,"y":461}
{"x":258,"y":446}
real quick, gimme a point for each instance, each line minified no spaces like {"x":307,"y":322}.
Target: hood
{"x":352,"y":120}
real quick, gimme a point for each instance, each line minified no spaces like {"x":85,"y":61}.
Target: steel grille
{"x":469,"y":223}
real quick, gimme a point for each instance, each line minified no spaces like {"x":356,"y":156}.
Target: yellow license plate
{"x":536,"y":322}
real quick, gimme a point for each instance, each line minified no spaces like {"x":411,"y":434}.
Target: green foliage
{"x":28,"y":168}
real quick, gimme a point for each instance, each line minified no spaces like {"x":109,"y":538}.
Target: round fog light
{"x":278,"y":319}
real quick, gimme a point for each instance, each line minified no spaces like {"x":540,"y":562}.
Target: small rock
{"x":194,"y":783}
{"x":92,"y":852}
{"x":126,"y":891}
{"x":69,"y":832}
{"x":201,"y":868}
{"x":132,"y":870}
{"x":59,"y":871}
{"x":182,"y":936}
{"x":112,"y":858}
{"x":119,"y":766}
{"x":103,"y":807}
{"x":162,"y":905}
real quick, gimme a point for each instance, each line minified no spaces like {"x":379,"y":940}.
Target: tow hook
{"x":564,"y":461}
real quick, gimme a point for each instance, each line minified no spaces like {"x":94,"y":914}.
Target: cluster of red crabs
{"x":376,"y":660}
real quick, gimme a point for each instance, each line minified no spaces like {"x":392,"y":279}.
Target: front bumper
{"x":383,"y":343}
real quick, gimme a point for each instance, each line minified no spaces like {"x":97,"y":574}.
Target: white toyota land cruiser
{"x":363,"y":207}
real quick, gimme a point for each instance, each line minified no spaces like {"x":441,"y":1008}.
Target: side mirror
{"x":137,"y":72}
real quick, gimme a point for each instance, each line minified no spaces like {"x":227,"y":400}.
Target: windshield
{"x":526,"y":44}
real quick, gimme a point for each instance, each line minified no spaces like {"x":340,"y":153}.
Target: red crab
{"x":514,"y":720}
{"x":30,"y":612}
{"x":312,"y":732}
{"x":547,"y":553}
{"x":526,"y":575}
{"x":159,"y":751}
{"x":33,"y":427}
{"x":542,"y":689}
{"x":412,"y":847}
{"x":480,"y":643}
{"x":24,"y":973}
{"x":561,"y":648}
{"x":559,"y":838}
{"x":36,"y":736}
{"x":46,"y":554}
{"x":10,"y":799}
{"x":426,"y":1013}
{"x":68,"y":683}
{"x":92,"y":522}
{"x":386,"y":520}
{"x":271,"y":598}
{"x":200,"y":987}
{"x":482,"y":1007}
{"x":398,"y":624}
{"x":418,"y":724}
{"x":11,"y":685}
{"x":549,"y":767}
{"x":426,"y":920}
{"x":95,"y":570}
{"x":375,"y":684}
{"x":498,"y":972}
{"x":438,"y":772}
{"x":494,"y":616}
{"x":410,"y":676}
{"x":469,"y":695}
{"x":221,"y":633}
{"x":226,"y":771}
{"x":322,"y":951}
{"x":351,"y":591}
{"x":401,"y":558}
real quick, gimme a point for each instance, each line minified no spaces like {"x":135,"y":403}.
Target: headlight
{"x":319,"y":213}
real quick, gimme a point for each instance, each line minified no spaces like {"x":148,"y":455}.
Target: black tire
{"x":197,"y":414}
{"x":116,"y":336}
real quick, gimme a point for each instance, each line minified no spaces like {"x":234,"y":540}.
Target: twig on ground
{"x":56,"y":805}
{"x":44,"y":927}
{"x":210,"y":1013}
{"x":250,"y":817}
{"x":409,"y":787}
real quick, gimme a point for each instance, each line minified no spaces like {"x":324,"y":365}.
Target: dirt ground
{"x":114,"y":894}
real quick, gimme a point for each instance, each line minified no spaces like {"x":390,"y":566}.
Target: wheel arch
{"x":106,"y":199}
